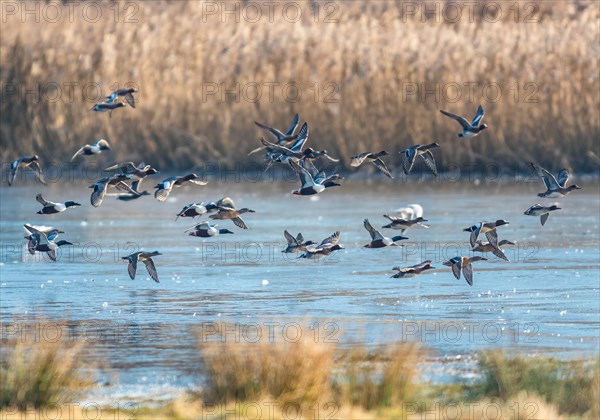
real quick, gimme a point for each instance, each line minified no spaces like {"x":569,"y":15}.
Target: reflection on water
{"x":546,"y":300}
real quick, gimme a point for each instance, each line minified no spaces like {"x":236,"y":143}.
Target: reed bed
{"x":363,"y":69}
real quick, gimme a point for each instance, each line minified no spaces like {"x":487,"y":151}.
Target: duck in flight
{"x":146,"y":258}
{"x":44,"y":240}
{"x":101,"y":187}
{"x":133,"y":172}
{"x":325,"y":248}
{"x":31,"y":162}
{"x":472,"y":129}
{"x":296,"y":244}
{"x":205,"y":230}
{"x":227,"y":211}
{"x":107,"y":107}
{"x":52,"y":208}
{"x":374,"y":158}
{"x":378,"y":240}
{"x":283,"y":139}
{"x":164,"y":188}
{"x":463,"y":264}
{"x":413,"y":270}
{"x":496,"y":250}
{"x":313,"y":182}
{"x":554,"y":188}
{"x":127,"y":93}
{"x":92,"y":149}
{"x":489,"y":228}
{"x":543,"y":212}
{"x":424,"y":151}
{"x":196,"y":209}
{"x":401,"y":224}
{"x":34,"y":235}
{"x":127,"y":196}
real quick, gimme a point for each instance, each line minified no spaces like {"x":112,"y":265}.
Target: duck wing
{"x":293,"y":126}
{"x":79,"y":152}
{"x":289,"y":238}
{"x":305,"y":177}
{"x":14,"y":167}
{"x":475,"y":234}
{"x":359,"y":159}
{"x":456,"y":269}
{"x":549,"y":180}
{"x":162,"y":194}
{"x":408,"y":159}
{"x":124,"y":167}
{"x":464,"y":123}
{"x":329,"y":241}
{"x":326,"y":155}
{"x":492,"y":237}
{"x":226,"y":202}
{"x":500,"y":254}
{"x":38,"y":172}
{"x":427,"y":156}
{"x":467,"y":270}
{"x":276,"y":148}
{"x":422,"y":265}
{"x":98,"y":195}
{"x":130,"y":99}
{"x":151,"y":269}
{"x":239,"y":222}
{"x":301,"y":137}
{"x":132,"y":267}
{"x":122,"y":186}
{"x":543,"y":218}
{"x":478,"y":116}
{"x":381,"y":166}
{"x":43,"y":202}
{"x":52,"y":254}
{"x":563,"y":177}
{"x":375,"y":235}
{"x":31,"y":229}
{"x":258,"y":149}
{"x":278,"y":134}
{"x":311,"y":168}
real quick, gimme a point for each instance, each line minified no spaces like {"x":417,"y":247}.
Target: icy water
{"x":144,"y":333}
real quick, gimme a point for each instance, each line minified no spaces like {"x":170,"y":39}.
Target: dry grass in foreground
{"x":40,"y":375}
{"x":357,"y":76}
{"x":308,"y":379}
{"x":298,"y":372}
{"x":573,"y":387}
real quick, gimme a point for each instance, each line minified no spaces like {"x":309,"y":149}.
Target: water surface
{"x":545,"y":301}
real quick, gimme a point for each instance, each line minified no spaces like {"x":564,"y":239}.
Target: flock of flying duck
{"x":288,"y":148}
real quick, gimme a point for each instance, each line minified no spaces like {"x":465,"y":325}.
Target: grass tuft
{"x":297,"y":372}
{"x":374,"y":380}
{"x":571,"y":386}
{"x":41,"y":375}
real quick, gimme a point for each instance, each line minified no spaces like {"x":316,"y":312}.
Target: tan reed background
{"x":364,"y":60}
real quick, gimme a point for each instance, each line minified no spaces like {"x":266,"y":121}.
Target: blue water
{"x":143,"y":334}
